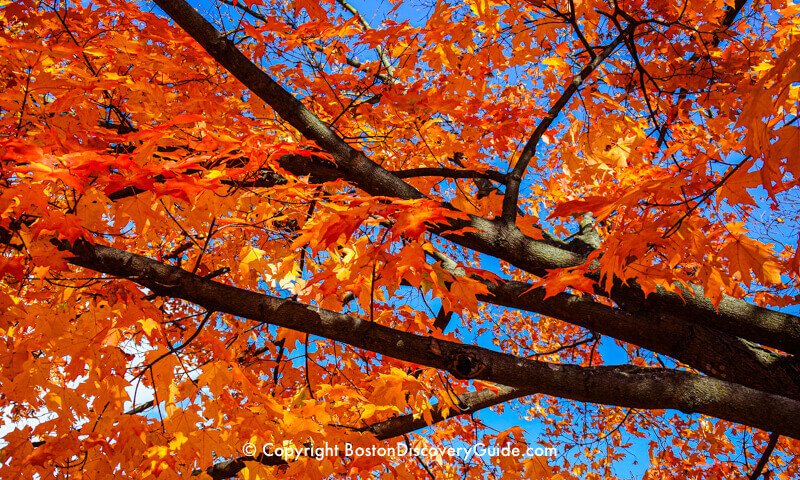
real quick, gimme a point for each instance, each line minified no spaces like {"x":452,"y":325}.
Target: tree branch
{"x":622,"y":385}
{"x":469,"y":402}
{"x":450,"y":173}
{"x":773,"y":440}
{"x":712,"y":352}
{"x":511,"y":197}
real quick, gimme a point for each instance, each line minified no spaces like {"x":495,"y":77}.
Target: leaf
{"x":314,"y":9}
{"x":745,"y":255}
{"x":560,"y":280}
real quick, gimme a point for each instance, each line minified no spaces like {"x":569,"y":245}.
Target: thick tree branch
{"x":623,"y":385}
{"x":712,"y":352}
{"x":733,"y":316}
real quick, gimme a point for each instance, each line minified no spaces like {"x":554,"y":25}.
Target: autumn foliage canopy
{"x":308,"y":223}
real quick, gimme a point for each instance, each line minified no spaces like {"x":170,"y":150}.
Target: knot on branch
{"x":220,"y":43}
{"x":466,"y":366}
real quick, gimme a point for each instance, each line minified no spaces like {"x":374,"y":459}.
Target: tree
{"x":294,"y":224}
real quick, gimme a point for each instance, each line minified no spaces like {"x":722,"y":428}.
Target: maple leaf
{"x":314,"y":9}
{"x":746,"y":255}
{"x":560,"y":280}
{"x":601,"y":207}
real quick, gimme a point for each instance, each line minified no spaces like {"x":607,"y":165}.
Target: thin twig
{"x":364,"y":23}
{"x":179,"y":347}
{"x":205,"y":244}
